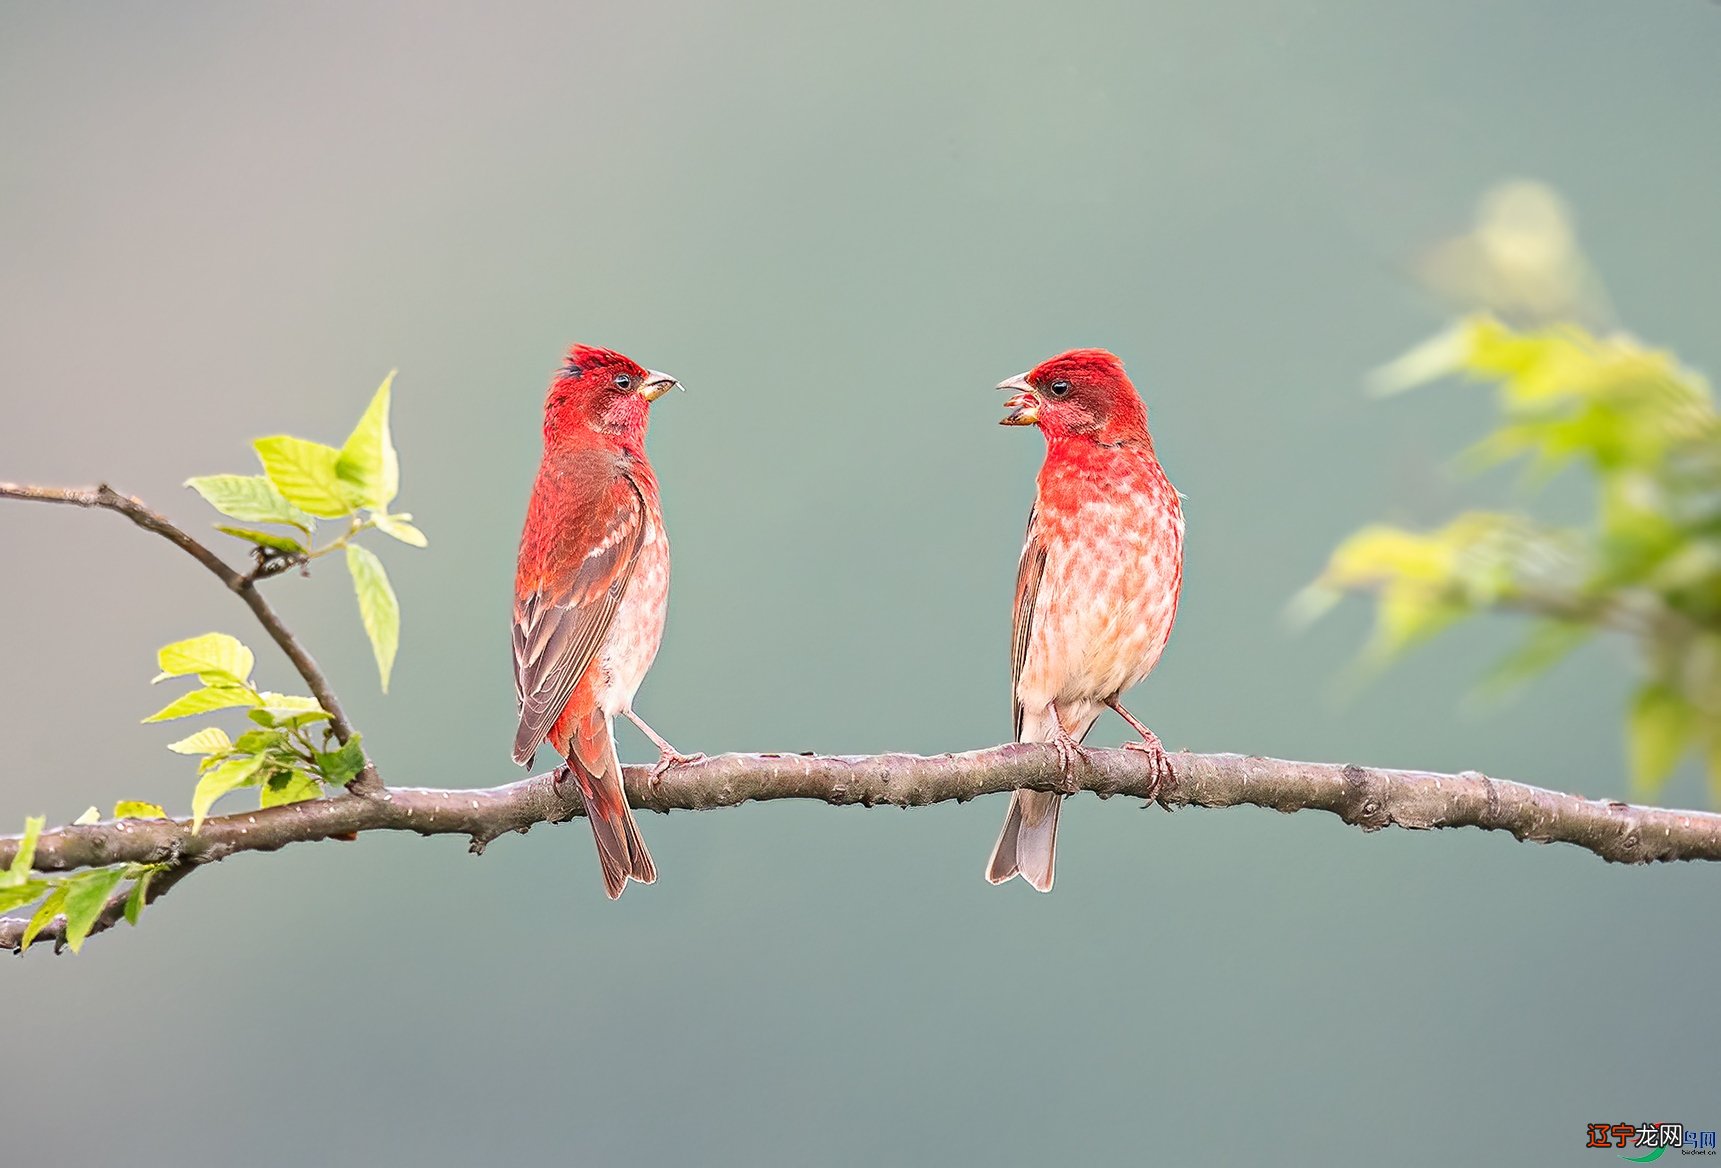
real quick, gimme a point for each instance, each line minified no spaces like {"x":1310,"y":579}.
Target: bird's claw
{"x":1160,"y":774}
{"x":670,"y":759}
{"x":1068,"y":751}
{"x":570,"y":794}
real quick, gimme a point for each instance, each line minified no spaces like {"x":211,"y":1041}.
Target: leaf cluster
{"x":288,"y":749}
{"x":1642,"y":433}
{"x":287,"y":752}
{"x":79,"y":896}
{"x":304,"y":482}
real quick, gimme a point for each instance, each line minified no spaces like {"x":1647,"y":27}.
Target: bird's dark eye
{"x":1059,"y":388}
{"x":623,"y":381}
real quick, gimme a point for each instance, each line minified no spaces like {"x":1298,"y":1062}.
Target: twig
{"x":113,"y":912}
{"x":133,"y":509}
{"x":243,"y":586}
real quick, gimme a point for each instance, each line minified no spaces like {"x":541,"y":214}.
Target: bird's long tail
{"x":592,"y":758}
{"x":1028,"y":845}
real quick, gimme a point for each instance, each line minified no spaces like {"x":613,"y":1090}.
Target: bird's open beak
{"x":1024,"y":406}
{"x":657,"y":384}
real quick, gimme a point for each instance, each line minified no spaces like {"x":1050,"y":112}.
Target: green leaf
{"x":342,"y":766}
{"x":400,"y":527}
{"x":292,"y":704}
{"x":135,"y":899}
{"x":86,"y":893}
{"x":216,"y":658}
{"x":252,"y":498}
{"x":268,"y":539}
{"x":45,"y":912}
{"x":228,"y":776}
{"x":209,"y":740}
{"x":1659,"y":729}
{"x":297,"y":703}
{"x":292,"y":711}
{"x":18,"y":871}
{"x":16,"y":896}
{"x":132,"y":809}
{"x":203,"y":701}
{"x":289,"y":787}
{"x":304,"y":472}
{"x":368,"y":462}
{"x":378,"y":607}
{"x":1310,"y":604}
{"x":90,"y":815}
{"x":257,"y":741}
{"x":1407,"y":615}
{"x":1439,"y":356}
{"x":1548,"y":644}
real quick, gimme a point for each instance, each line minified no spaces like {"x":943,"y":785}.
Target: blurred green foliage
{"x":1642,"y":431}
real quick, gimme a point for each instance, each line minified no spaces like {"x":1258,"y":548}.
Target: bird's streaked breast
{"x":1112,"y":527}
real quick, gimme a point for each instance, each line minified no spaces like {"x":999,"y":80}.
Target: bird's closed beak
{"x":657,"y":384}
{"x":1024,"y":406}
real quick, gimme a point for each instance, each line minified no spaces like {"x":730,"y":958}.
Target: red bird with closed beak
{"x":591,"y":592}
{"x":1097,"y":586}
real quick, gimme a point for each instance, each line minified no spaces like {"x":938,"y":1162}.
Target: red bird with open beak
{"x":591,"y":592}
{"x":1097,"y":587}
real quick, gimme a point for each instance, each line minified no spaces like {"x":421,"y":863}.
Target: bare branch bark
{"x":1367,"y":797}
{"x":243,"y":586}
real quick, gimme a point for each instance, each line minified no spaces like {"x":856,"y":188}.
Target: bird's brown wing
{"x":565,"y":603}
{"x":1028,"y":573}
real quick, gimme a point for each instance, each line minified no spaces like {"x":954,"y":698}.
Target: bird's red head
{"x":599,"y":391}
{"x":1083,"y":393}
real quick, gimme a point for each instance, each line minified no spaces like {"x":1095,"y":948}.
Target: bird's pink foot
{"x":1069,"y":750}
{"x":667,"y":755}
{"x":1159,"y":770}
{"x":670,"y":758}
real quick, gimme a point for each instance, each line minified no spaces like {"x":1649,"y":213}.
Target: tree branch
{"x":106,"y":497}
{"x":113,"y":912}
{"x":1366,"y":797}
{"x":243,"y":586}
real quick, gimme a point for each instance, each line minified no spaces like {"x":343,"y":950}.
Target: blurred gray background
{"x":840,"y":225}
